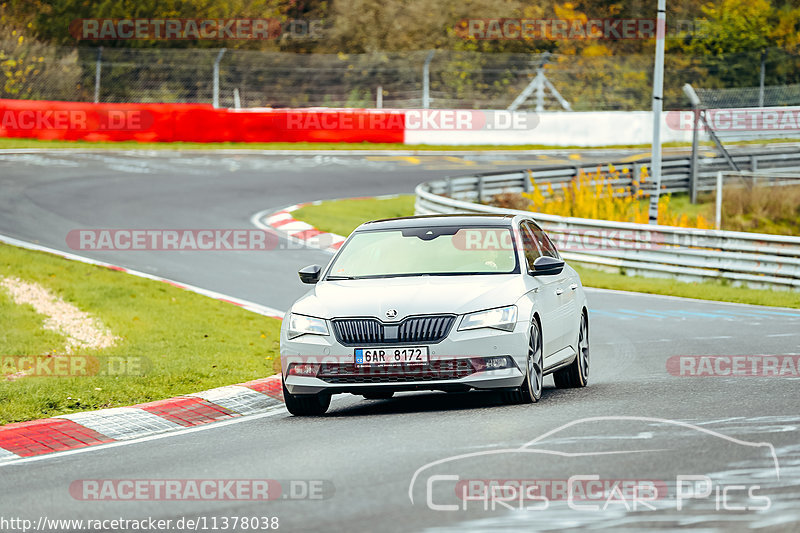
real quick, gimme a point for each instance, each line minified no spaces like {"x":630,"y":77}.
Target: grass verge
{"x":342,"y":216}
{"x":188,"y":342}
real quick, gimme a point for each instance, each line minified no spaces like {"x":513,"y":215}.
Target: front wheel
{"x":306,"y":404}
{"x":531,"y":389}
{"x":577,"y":373}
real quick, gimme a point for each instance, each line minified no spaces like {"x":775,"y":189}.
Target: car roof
{"x":438,"y":220}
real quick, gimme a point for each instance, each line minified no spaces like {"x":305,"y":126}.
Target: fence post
{"x":97,"y":70}
{"x":761,"y":77}
{"x":693,"y":163}
{"x":379,"y":97}
{"x":215,"y":95}
{"x":480,"y":189}
{"x":718,"y":212}
{"x":426,"y":81}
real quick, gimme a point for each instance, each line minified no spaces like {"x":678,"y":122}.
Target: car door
{"x":546,"y":295}
{"x":565,"y":290}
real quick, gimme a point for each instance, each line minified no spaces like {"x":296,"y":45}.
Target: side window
{"x":529,"y":244}
{"x":544,"y":242}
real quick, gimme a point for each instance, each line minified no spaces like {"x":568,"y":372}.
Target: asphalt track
{"x":635,"y":421}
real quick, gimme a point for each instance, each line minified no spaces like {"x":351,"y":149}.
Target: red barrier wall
{"x":194,"y":123}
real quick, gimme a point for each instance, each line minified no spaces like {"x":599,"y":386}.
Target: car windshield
{"x":426,"y":251}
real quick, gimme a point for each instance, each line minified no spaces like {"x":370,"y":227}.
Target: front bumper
{"x":449,"y":366}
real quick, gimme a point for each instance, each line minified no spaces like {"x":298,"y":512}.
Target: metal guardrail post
{"x":527,"y":185}
{"x":636,"y":179}
{"x":480,"y":189}
{"x":449,"y":187}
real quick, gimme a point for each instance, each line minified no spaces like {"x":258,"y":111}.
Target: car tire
{"x":531,"y":389}
{"x":378,"y":395}
{"x":306,"y":404}
{"x":577,"y":373}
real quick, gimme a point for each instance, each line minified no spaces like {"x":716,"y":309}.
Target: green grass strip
{"x":187,"y":341}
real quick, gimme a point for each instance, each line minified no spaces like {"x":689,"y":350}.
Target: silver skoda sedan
{"x":450,"y":303}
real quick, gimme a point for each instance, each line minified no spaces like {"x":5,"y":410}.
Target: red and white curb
{"x":91,"y":428}
{"x":297,"y":231}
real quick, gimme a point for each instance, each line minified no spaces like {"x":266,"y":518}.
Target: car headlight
{"x":306,"y":325}
{"x":504,"y":318}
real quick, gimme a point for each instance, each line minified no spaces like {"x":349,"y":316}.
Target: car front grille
{"x":432,"y":371}
{"x":417,"y":329}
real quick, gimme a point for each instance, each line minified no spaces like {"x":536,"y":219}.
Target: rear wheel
{"x":378,"y":395}
{"x":577,"y":373}
{"x":306,"y":404}
{"x":531,"y":389}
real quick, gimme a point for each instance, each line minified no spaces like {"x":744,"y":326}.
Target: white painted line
{"x":123,"y":423}
{"x":6,"y":455}
{"x":278,"y":217}
{"x":295,"y":227}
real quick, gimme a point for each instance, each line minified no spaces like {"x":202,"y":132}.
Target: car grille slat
{"x":415,"y":329}
{"x":343,"y":373}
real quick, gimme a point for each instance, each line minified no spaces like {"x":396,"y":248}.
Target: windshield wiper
{"x":336,"y":278}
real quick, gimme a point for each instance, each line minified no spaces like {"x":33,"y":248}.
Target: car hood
{"x":410,"y":295}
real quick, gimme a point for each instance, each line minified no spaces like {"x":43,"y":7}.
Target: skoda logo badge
{"x":391,"y":313}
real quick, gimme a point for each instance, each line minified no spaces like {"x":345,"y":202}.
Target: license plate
{"x":400,"y":355}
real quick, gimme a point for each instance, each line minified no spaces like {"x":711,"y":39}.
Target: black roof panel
{"x":438,"y":220}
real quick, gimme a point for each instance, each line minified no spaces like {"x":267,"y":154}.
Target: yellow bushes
{"x":601,"y":196}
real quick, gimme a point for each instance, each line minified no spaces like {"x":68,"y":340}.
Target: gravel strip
{"x":82,"y":331}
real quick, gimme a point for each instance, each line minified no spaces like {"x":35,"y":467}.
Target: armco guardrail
{"x":674,"y":174}
{"x":752,"y":259}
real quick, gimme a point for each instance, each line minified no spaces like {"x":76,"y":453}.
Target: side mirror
{"x":547,"y":266}
{"x":310,"y":274}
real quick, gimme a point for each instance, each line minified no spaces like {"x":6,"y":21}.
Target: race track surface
{"x":636,"y":420}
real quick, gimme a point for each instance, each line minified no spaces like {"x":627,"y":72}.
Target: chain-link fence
{"x":739,"y":97}
{"x":470,"y":80}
